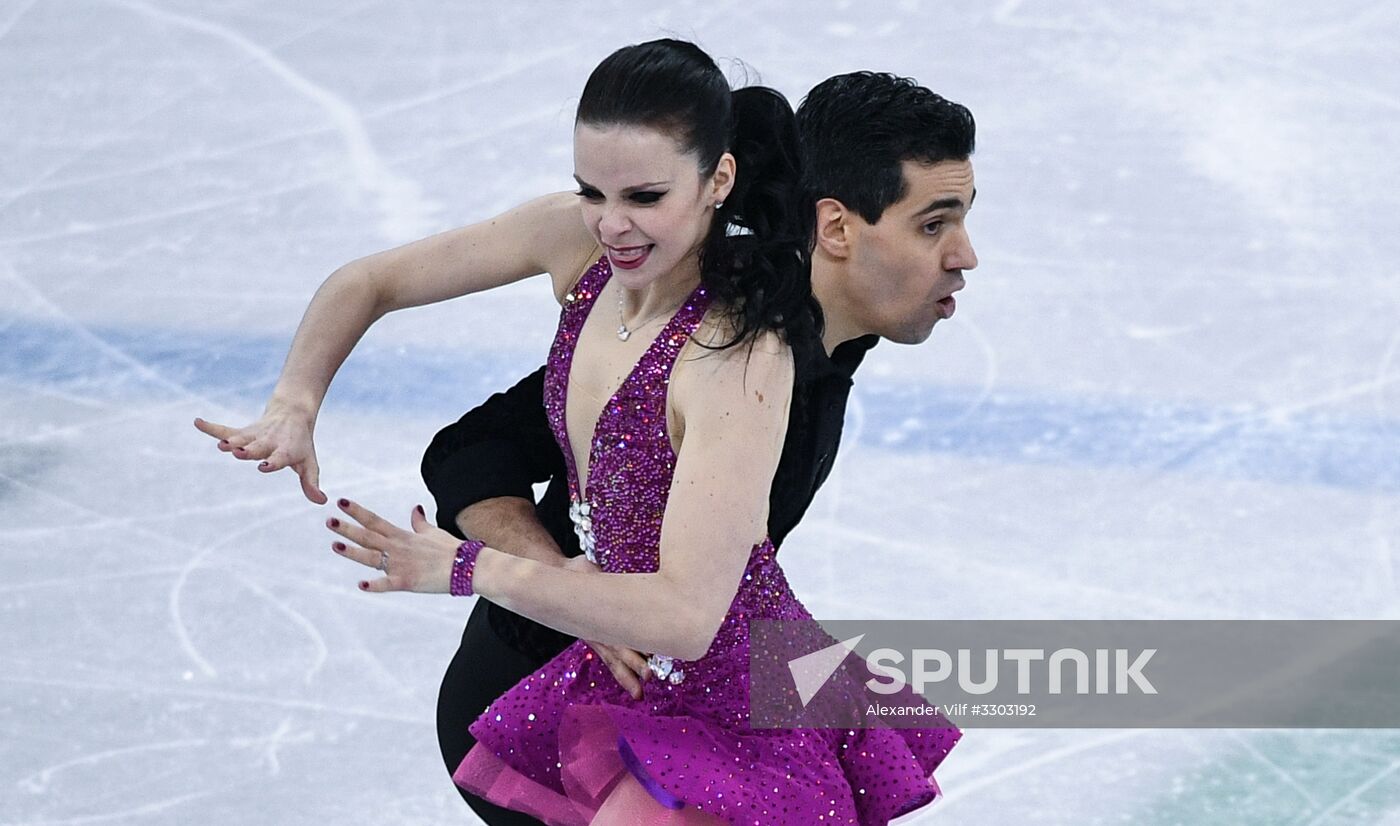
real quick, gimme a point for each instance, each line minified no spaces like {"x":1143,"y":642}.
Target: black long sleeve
{"x":499,"y":448}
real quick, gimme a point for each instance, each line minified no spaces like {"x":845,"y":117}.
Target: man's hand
{"x":628,"y":667}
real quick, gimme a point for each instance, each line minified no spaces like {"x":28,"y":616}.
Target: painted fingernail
{"x":338,"y":547}
{"x":263,"y":465}
{"x":333,"y":522}
{"x":364,"y":586}
{"x":419,"y":508}
{"x":224,"y":442}
{"x":344,"y":503}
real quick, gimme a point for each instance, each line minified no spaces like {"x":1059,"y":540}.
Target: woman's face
{"x":644,"y":198}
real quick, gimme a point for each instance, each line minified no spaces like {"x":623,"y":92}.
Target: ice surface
{"x":1172,"y":388}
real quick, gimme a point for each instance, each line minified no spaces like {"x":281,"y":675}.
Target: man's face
{"x":905,"y":268}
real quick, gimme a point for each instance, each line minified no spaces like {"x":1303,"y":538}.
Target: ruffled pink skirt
{"x":861,"y":776}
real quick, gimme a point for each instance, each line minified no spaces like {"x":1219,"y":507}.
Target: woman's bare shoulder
{"x":758,"y":368}
{"x":563,"y":243}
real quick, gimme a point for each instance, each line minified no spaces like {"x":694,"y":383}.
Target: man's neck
{"x":828,"y":281}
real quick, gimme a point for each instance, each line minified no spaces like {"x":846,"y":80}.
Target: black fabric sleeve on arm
{"x":499,"y":448}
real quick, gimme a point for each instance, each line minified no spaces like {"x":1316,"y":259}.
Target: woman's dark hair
{"x":754,"y":260}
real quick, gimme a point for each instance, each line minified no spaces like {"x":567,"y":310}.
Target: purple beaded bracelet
{"x":463,"y":566}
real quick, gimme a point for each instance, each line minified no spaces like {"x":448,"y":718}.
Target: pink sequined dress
{"x":555,"y":744}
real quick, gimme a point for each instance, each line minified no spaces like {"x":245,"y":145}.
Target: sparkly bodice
{"x":630,"y":460}
{"x":617,"y":514}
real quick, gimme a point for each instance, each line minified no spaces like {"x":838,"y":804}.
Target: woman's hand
{"x":281,"y":438}
{"x":417,"y":560}
{"x":421,"y":559}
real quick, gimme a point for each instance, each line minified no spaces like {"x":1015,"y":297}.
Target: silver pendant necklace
{"x":623,"y":332}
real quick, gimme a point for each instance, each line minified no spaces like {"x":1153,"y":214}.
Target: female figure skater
{"x":671,"y":422}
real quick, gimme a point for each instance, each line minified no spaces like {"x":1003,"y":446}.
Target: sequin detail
{"x":550,"y":745}
{"x":583,"y":528}
{"x":463,"y":566}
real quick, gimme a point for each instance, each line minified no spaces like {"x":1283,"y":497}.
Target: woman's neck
{"x":660,"y":296}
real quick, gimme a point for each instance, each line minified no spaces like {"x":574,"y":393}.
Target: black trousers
{"x":484,"y":667}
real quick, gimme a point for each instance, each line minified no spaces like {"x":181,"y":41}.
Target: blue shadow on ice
{"x":1341,"y":449}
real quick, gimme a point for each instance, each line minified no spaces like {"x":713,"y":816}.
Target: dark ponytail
{"x":755,"y":259}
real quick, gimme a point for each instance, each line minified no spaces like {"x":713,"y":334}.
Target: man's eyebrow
{"x":948,"y":203}
{"x":629,"y":190}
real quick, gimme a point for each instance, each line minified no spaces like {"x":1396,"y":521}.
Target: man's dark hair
{"x":858,"y":128}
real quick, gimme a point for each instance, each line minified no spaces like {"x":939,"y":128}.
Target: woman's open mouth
{"x":629,"y":258}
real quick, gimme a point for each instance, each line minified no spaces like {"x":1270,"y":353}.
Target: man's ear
{"x":835,"y":231}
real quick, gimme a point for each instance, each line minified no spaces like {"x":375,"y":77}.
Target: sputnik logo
{"x":811,"y":671}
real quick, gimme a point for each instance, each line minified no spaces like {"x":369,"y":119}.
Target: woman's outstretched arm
{"x":732,"y":405}
{"x":543,"y":235}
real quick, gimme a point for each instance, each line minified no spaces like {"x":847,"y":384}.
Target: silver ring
{"x":384,"y":561}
